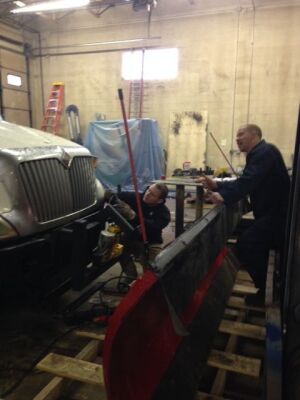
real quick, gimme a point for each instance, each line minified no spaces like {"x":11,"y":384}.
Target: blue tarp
{"x":107,"y":141}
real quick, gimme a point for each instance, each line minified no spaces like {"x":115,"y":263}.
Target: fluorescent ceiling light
{"x":55,"y":5}
{"x":19,"y":3}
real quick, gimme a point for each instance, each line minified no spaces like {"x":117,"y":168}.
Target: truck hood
{"x":15,"y":136}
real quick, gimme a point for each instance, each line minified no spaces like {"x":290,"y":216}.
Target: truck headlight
{"x":6,"y":230}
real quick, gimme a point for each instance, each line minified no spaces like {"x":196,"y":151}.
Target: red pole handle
{"x":133,"y":175}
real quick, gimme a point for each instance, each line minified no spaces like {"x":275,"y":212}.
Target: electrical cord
{"x":119,"y":283}
{"x":120,"y":286}
{"x":43,"y":353}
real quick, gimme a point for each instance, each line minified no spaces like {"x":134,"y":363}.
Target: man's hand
{"x":208,"y":183}
{"x":125,"y":210}
{"x":214,"y":197}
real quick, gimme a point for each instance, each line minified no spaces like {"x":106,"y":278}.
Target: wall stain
{"x":176,"y":125}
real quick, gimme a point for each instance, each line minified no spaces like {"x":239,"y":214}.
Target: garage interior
{"x":186,"y":74}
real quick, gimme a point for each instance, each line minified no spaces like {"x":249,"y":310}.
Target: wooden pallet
{"x":81,"y":369}
{"x":227,"y":361}
{"x":234,"y":363}
{"x":77,"y":369}
{"x":243,"y":329}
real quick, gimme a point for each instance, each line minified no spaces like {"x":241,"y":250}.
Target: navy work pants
{"x":254,"y":244}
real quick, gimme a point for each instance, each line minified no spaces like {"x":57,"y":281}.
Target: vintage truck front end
{"x":47,"y":188}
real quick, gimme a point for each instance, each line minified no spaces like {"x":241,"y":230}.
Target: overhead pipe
{"x":16,"y":25}
{"x":65,"y":46}
{"x":73,"y":53}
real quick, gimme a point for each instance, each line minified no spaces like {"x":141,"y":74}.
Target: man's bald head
{"x":248,"y":136}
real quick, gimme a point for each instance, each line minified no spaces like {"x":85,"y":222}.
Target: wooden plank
{"x":244,"y":283}
{"x":244,"y":279}
{"x":72,"y":368}
{"x":234,"y":363}
{"x":249,"y":215}
{"x":207,"y":396}
{"x":89,"y":352}
{"x":244,"y":289}
{"x":243,"y":329}
{"x":239,"y":302}
{"x":52,"y":390}
{"x":231,"y":240}
{"x":218,"y":386}
{"x":230,"y":312}
{"x":221,"y":375}
{"x":82,"y":391}
{"x":244,"y":276}
{"x":91,"y":335}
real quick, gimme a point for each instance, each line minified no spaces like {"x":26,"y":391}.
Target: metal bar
{"x":16,"y":89}
{"x":273,"y":361}
{"x":133,"y":175}
{"x":11,"y":41}
{"x":65,"y":46}
{"x":199,"y":201}
{"x":73,"y":53}
{"x":98,"y":13}
{"x":129,"y":102}
{"x":15,"y":24}
{"x":142,"y":85}
{"x":179,"y":210}
{"x":15,"y":108}
{"x":162,"y":262}
{"x":12,"y":50}
{"x":41,"y":74}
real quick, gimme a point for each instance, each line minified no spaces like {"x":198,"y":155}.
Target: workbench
{"x":181,"y":184}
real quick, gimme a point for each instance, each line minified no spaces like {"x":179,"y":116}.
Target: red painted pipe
{"x":133,"y":175}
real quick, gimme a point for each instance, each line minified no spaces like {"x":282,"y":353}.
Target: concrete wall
{"x":239,"y":66}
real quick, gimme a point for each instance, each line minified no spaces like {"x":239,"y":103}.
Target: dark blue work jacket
{"x":156,"y":217}
{"x":265,"y":179}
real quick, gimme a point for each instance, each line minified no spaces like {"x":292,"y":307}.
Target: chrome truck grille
{"x":54,"y":191}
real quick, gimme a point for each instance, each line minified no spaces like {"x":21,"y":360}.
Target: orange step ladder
{"x":54,"y":109}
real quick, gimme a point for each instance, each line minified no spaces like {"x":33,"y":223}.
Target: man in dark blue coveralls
{"x":265,"y":179}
